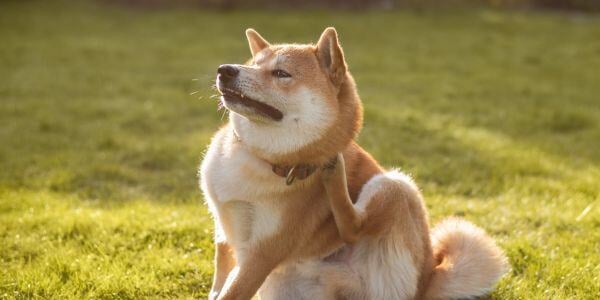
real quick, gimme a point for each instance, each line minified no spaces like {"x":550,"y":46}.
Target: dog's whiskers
{"x":225,"y":111}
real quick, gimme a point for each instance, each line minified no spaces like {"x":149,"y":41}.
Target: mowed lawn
{"x":496,"y":115}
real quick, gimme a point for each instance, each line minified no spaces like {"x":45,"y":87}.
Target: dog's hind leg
{"x":388,"y":225}
{"x":348,"y":219}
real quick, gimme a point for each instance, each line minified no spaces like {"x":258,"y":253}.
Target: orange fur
{"x":351,"y":229}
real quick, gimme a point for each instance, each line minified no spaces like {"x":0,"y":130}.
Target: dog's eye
{"x":281,"y":74}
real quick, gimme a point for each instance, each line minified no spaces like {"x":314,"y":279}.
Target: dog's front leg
{"x":348,"y":219}
{"x":245,"y":280}
{"x":224,"y":263}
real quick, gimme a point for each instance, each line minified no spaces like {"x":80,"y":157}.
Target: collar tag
{"x":290,"y":177}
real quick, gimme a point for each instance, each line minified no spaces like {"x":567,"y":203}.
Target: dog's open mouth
{"x":235,"y":97}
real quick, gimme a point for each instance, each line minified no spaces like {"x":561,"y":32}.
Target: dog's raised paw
{"x":331,"y":164}
{"x":333,"y":168}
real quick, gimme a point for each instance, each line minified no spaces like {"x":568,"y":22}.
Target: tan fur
{"x":468,"y":261}
{"x":309,"y":73}
{"x":351,"y":230}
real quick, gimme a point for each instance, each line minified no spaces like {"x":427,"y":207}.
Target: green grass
{"x":496,"y":114}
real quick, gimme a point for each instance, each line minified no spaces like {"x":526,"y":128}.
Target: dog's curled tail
{"x":468,"y":261}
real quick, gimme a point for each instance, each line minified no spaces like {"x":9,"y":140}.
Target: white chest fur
{"x":242,"y":192}
{"x":246,"y":222}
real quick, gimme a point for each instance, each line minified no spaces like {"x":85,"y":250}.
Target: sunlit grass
{"x":496,"y":115}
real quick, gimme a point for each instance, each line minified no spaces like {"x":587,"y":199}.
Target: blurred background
{"x":106,"y":108}
{"x":574,"y":5}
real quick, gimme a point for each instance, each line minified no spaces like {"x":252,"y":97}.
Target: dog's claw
{"x":330,"y":165}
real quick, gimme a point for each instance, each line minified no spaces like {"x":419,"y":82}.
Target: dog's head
{"x":292,"y":103}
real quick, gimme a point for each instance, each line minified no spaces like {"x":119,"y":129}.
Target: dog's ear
{"x":256,"y":42}
{"x":331,"y":56}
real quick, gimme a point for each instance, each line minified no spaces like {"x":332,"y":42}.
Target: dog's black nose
{"x":227,"y":72}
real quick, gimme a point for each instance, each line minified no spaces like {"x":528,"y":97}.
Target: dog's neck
{"x":290,"y":172}
{"x":285,"y":141}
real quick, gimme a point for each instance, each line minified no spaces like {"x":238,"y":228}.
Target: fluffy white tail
{"x":469,"y":262}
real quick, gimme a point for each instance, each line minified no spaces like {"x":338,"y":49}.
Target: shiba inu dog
{"x":303,"y":212}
